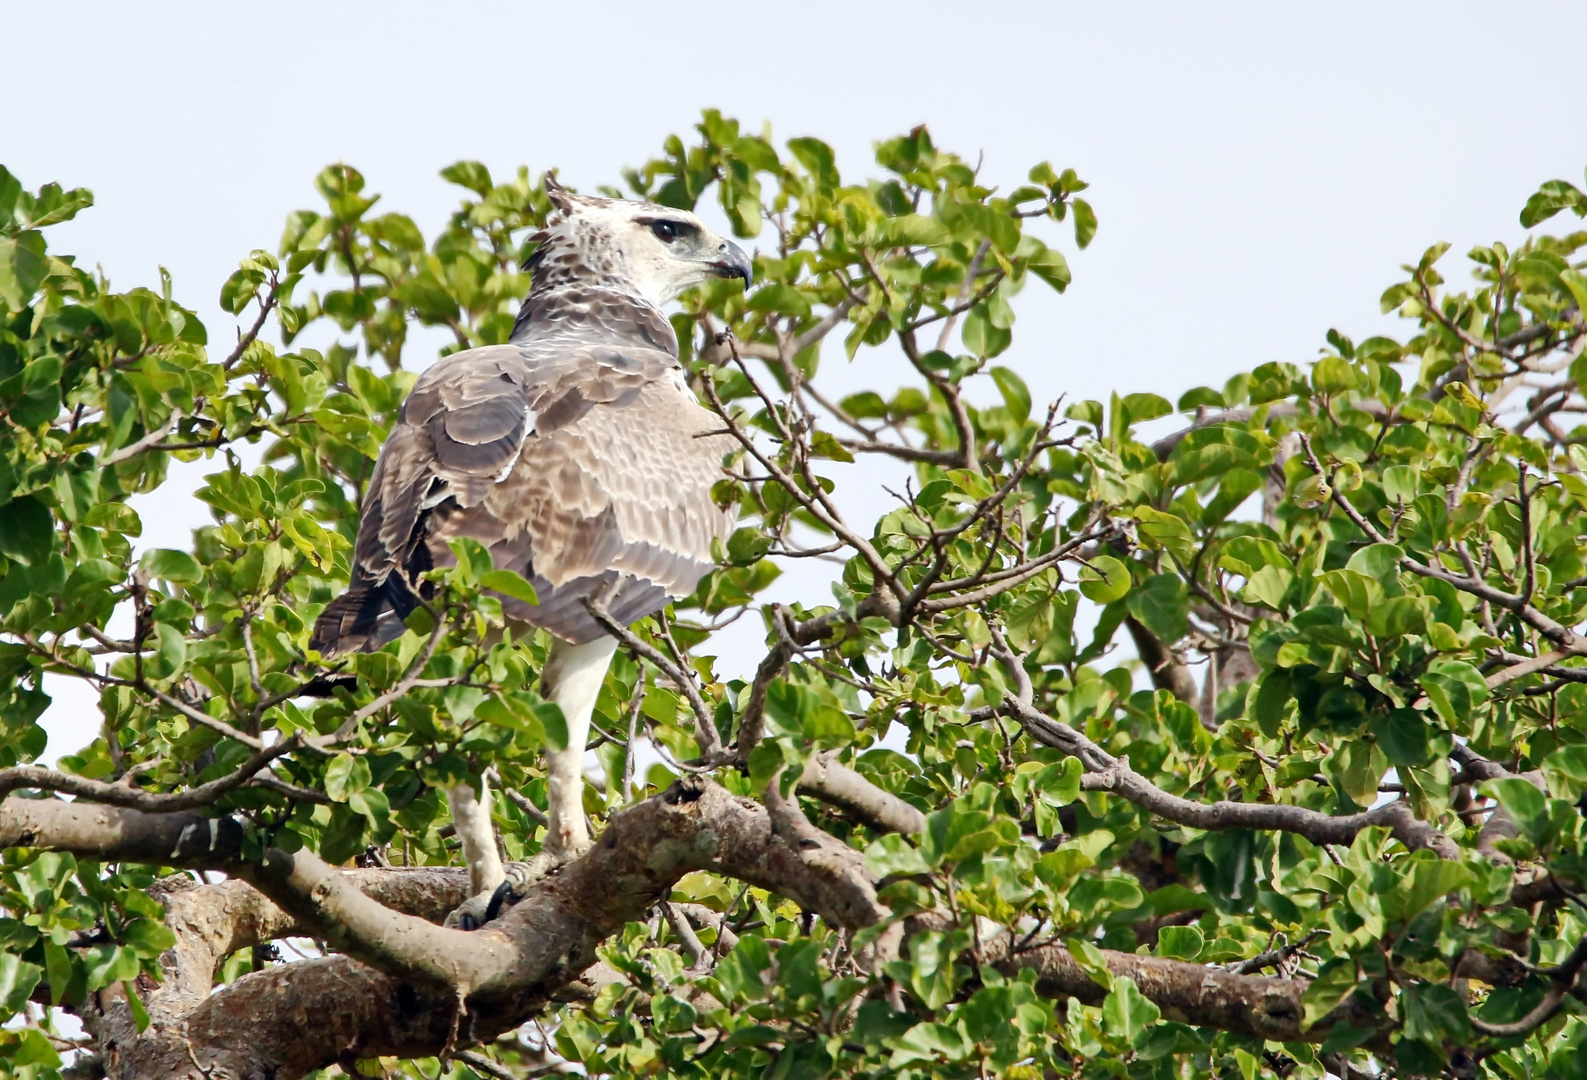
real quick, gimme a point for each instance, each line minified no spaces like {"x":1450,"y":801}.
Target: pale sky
{"x":1259,"y":171}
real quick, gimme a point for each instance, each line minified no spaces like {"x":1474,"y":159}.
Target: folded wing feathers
{"x":576,"y":459}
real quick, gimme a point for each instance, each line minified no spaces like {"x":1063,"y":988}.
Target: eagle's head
{"x":653,"y":251}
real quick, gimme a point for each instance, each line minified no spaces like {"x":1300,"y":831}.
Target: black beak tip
{"x":733,"y":262}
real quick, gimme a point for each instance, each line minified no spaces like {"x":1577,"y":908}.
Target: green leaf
{"x":780,"y":299}
{"x":1380,"y":562}
{"x":1104,"y":579}
{"x":510,"y":584}
{"x":928,"y":1042}
{"x":372,"y":804}
{"x":1327,"y":991}
{"x":149,"y":937}
{"x":1434,"y":1013}
{"x":1455,"y":689}
{"x":1357,"y":593}
{"x":1059,"y":783}
{"x":866,"y":405}
{"x":471,"y":175}
{"x":22,"y":268}
{"x":1245,"y":555}
{"x":915,"y":230}
{"x":1050,"y":265}
{"x":17,"y":980}
{"x":59,"y":969}
{"x":1403,"y":735}
{"x":1126,"y":1012}
{"x":1167,"y":531}
{"x":1399,"y":616}
{"x":981,"y":335}
{"x":1576,"y":282}
{"x":894,"y":854}
{"x":33,"y":1048}
{"x":171,"y":565}
{"x":1268,"y":586}
{"x":1162,"y":604}
{"x":346,"y":774}
{"x":170,"y":649}
{"x":1526,"y":805}
{"x":1085,"y":223}
{"x":1424,"y":879}
{"x":1274,"y":696}
{"x":555,"y":725}
{"x":1139,"y":408}
{"x":824,"y":445}
{"x":817,"y":157}
{"x":1333,"y":375}
{"x":27,"y":531}
{"x":1015,"y":393}
{"x":140,"y":1013}
{"x":1090,"y":960}
{"x":1550,"y":199}
{"x":1180,"y":942}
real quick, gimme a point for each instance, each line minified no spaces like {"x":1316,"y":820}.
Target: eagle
{"x":576,"y":454}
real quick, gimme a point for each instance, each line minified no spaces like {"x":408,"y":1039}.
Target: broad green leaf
{"x":1090,"y":960}
{"x":1434,"y":1014}
{"x":1179,"y":942}
{"x":1162,"y":603}
{"x":346,"y":774}
{"x":1126,"y":1012}
{"x":17,"y":980}
{"x":1526,"y":805}
{"x":1455,"y":689}
{"x":1268,"y":586}
{"x":175,"y":566}
{"x":509,"y":584}
{"x":1334,"y":982}
{"x":1015,"y":394}
{"x":1104,"y":579}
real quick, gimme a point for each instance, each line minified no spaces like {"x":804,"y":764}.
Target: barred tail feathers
{"x":364,"y":618}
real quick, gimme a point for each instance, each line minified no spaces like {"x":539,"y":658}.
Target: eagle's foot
{"x":478,"y":910}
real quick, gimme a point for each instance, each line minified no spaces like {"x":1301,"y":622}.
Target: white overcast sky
{"x":1259,"y":171}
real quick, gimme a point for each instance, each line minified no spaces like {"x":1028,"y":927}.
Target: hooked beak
{"x":731,"y":261}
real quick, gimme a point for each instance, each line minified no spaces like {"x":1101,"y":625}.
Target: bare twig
{"x":151,"y":439}
{"x":704,"y":726}
{"x":397,"y":691}
{"x":271,"y":298}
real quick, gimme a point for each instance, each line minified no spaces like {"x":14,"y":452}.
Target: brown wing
{"x":585,"y":466}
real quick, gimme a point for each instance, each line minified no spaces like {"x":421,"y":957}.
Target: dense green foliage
{"x":1345,"y":578}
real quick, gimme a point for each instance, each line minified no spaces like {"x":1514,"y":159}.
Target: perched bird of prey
{"x":576,"y":454}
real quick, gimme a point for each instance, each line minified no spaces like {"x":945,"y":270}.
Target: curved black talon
{"x":466,"y":921}
{"x":497,"y":898}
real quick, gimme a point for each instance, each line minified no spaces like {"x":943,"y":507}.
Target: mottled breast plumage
{"x":576,"y":455}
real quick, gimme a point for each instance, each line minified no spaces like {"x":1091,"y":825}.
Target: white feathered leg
{"x":572,"y":678}
{"x":471,"y":819}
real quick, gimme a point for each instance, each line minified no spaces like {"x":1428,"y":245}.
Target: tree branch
{"x":125,"y":795}
{"x":1104,"y":772}
{"x":704,"y":726}
{"x":832,"y":782}
{"x":1254,"y":1005}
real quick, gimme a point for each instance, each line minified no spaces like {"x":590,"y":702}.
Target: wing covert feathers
{"x":577,"y":463}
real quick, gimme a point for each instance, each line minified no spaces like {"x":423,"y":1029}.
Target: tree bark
{"x":408,"y":987}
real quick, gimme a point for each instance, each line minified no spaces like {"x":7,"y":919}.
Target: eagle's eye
{"x":666,"y":231}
